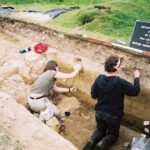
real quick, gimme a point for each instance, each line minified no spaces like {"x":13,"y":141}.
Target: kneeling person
{"x":109,"y":91}
{"x":41,"y":88}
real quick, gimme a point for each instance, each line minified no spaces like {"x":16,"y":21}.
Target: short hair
{"x":110,"y":64}
{"x":51,"y":65}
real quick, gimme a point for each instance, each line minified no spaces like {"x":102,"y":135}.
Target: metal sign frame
{"x":141,"y":37}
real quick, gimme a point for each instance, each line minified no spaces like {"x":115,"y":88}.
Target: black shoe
{"x":89,"y":145}
{"x":100,"y":146}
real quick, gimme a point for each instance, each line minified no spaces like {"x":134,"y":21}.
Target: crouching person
{"x":109,"y":91}
{"x":38,"y":101}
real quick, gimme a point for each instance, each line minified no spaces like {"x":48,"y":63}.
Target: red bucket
{"x":40,"y":48}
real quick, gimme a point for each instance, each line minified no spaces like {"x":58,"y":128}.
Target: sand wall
{"x":65,"y":48}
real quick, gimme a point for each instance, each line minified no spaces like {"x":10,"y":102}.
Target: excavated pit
{"x":18,"y":72}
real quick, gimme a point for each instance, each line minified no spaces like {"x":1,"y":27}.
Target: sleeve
{"x":94,"y":90}
{"x":131,"y":89}
{"x":51,"y":75}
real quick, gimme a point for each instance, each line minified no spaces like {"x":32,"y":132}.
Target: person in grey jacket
{"x":38,"y":101}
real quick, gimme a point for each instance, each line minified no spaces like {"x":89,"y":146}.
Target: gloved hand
{"x":73,"y":89}
{"x":77,"y":67}
{"x":136,"y":74}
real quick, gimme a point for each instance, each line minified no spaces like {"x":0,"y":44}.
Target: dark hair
{"x":110,"y":64}
{"x":51,"y":65}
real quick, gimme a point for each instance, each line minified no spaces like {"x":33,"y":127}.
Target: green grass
{"x":66,"y":2}
{"x":114,"y":24}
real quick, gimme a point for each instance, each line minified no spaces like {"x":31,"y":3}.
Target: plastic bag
{"x":140,"y":143}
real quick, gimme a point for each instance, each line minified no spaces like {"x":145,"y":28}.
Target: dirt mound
{"x":28,"y":130}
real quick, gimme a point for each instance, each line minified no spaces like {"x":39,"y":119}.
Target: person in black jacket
{"x":109,"y":91}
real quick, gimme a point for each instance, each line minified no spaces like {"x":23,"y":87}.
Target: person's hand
{"x":65,"y":80}
{"x":77,"y":67}
{"x":136,"y":74}
{"x":73,"y":89}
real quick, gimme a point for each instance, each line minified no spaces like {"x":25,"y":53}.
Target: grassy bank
{"x":69,"y":2}
{"x":115,"y":22}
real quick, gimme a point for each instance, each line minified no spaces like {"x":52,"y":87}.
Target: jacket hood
{"x":106,"y":84}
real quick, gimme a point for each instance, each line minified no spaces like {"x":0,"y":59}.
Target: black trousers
{"x":106,"y":133}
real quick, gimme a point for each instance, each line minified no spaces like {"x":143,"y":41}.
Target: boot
{"x":101,"y":146}
{"x":89,"y":145}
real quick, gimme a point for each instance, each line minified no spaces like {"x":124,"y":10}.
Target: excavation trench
{"x":19,"y":71}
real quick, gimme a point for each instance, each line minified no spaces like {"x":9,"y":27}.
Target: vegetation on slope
{"x":116,"y":22}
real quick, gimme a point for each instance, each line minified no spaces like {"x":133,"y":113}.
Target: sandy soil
{"x":6,"y":143}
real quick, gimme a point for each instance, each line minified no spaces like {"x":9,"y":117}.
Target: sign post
{"x":141,"y":36}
